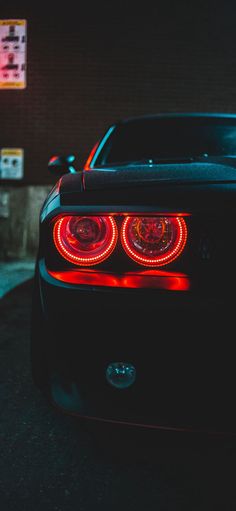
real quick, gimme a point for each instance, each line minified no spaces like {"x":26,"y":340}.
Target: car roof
{"x":177,"y":115}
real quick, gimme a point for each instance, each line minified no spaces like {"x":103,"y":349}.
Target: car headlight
{"x":85,"y":240}
{"x":153,"y":240}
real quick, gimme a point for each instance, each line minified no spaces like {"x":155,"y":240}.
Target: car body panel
{"x":173,"y":323}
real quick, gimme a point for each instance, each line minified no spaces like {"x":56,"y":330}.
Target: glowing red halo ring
{"x":158,"y":260}
{"x":84,"y":261}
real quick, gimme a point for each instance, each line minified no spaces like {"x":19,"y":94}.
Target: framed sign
{"x":12,"y":54}
{"x":12,"y":163}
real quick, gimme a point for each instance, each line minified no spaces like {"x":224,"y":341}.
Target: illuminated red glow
{"x":53,"y":159}
{"x":147,"y":279}
{"x":85,"y":240}
{"x":153,"y":241}
{"x":90,"y":157}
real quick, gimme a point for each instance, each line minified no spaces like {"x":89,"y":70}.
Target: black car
{"x":133,"y":315}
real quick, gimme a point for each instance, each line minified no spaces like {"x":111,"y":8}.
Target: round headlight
{"x":85,"y":240}
{"x":153,"y":240}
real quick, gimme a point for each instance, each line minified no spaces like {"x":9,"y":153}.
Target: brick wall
{"x":91,"y":65}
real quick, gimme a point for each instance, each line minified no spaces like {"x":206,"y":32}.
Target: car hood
{"x":177,"y":186}
{"x":138,"y":175}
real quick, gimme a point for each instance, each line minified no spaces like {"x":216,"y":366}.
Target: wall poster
{"x":12,"y":54}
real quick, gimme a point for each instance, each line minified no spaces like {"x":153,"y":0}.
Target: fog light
{"x":121,"y":374}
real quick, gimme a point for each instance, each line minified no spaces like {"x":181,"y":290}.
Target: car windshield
{"x":155,"y":139}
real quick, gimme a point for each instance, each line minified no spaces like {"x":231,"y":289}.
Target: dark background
{"x":90,"y":64}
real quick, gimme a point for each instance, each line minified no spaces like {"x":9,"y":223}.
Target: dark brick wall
{"x":89,"y":65}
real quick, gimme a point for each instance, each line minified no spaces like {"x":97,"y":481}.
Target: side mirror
{"x":59,"y":165}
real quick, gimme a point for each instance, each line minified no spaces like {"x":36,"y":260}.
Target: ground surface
{"x":48,"y":463}
{"x":13,"y":273}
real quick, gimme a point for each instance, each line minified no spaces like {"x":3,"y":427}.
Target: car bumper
{"x":184,"y":380}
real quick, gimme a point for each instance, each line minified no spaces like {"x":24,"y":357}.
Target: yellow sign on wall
{"x":12,"y":54}
{"x":12,"y":163}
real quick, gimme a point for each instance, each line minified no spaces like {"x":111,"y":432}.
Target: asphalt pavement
{"x":13,"y":273}
{"x":49,"y":462}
